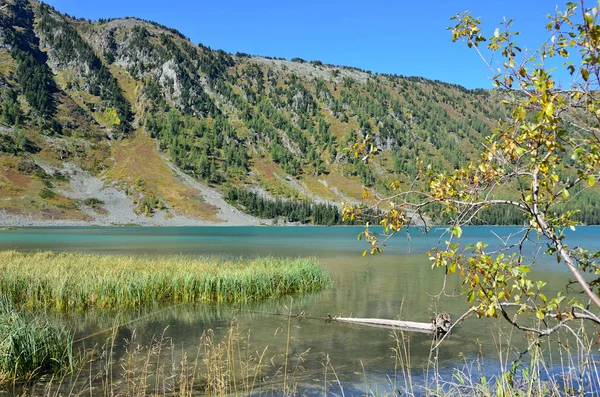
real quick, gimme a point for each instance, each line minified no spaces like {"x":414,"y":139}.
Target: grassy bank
{"x":71,"y":281}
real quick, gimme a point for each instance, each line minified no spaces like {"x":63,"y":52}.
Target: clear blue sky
{"x":393,"y":36}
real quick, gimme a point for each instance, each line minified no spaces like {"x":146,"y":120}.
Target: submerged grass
{"x":72,"y":281}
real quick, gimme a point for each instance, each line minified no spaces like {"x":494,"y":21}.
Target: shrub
{"x":47,"y":194}
{"x":93,"y":202}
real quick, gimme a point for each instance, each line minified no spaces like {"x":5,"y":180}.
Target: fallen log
{"x":439,"y":326}
{"x":394,"y":324}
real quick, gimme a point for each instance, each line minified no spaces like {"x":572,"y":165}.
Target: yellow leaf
{"x":585,"y":74}
{"x":549,"y":109}
{"x":111,"y":116}
{"x":452,"y":267}
{"x":591,"y":180}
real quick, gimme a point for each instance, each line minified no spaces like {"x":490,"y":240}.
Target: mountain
{"x":125,"y":121}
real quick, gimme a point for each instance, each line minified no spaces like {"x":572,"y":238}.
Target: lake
{"x":397,"y":284}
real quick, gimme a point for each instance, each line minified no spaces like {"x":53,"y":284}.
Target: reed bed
{"x":31,"y":346}
{"x":74,"y":281}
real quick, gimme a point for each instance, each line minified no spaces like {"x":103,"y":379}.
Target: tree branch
{"x":558,"y":245}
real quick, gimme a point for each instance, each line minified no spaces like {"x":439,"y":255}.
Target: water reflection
{"x":397,"y":284}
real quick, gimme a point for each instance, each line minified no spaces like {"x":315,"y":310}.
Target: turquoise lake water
{"x":397,"y":284}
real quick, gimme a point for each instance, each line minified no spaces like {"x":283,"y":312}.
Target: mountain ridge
{"x":134,"y":104}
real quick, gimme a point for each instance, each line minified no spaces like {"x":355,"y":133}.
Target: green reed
{"x":73,"y":281}
{"x":31,"y":346}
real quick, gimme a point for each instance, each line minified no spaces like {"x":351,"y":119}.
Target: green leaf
{"x":591,"y":180}
{"x":565,"y":194}
{"x":457,"y":231}
{"x":539,"y":314}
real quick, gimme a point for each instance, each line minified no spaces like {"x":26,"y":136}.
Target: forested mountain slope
{"x":132,"y":105}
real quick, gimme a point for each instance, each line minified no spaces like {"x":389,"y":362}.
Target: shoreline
{"x":10,"y":220}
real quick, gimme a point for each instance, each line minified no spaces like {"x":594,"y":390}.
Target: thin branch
{"x":586,"y":315}
{"x":540,"y":332}
{"x":466,"y":315}
{"x":558,"y":245}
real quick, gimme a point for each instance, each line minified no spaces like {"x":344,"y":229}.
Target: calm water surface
{"x":397,"y":284}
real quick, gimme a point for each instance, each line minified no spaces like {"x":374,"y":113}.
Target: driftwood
{"x":438,"y":327}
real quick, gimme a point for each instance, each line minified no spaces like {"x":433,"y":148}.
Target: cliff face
{"x":173,"y":126}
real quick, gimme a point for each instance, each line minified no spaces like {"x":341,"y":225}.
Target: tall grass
{"x":70,"y":281}
{"x":221,"y":366}
{"x":231,"y":365}
{"x":565,"y":365}
{"x":30,"y":346}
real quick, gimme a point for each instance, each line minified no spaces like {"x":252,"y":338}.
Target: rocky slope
{"x":127,"y":122}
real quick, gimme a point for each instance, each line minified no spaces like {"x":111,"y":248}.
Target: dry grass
{"x":8,"y":65}
{"x":270,"y":178}
{"x":338,"y":128}
{"x":220,"y":366}
{"x":319,"y":189}
{"x":11,"y":179}
{"x":346,"y":185}
{"x":138,"y":156}
{"x":233,"y":365}
{"x":21,"y":194}
{"x":126,"y":82}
